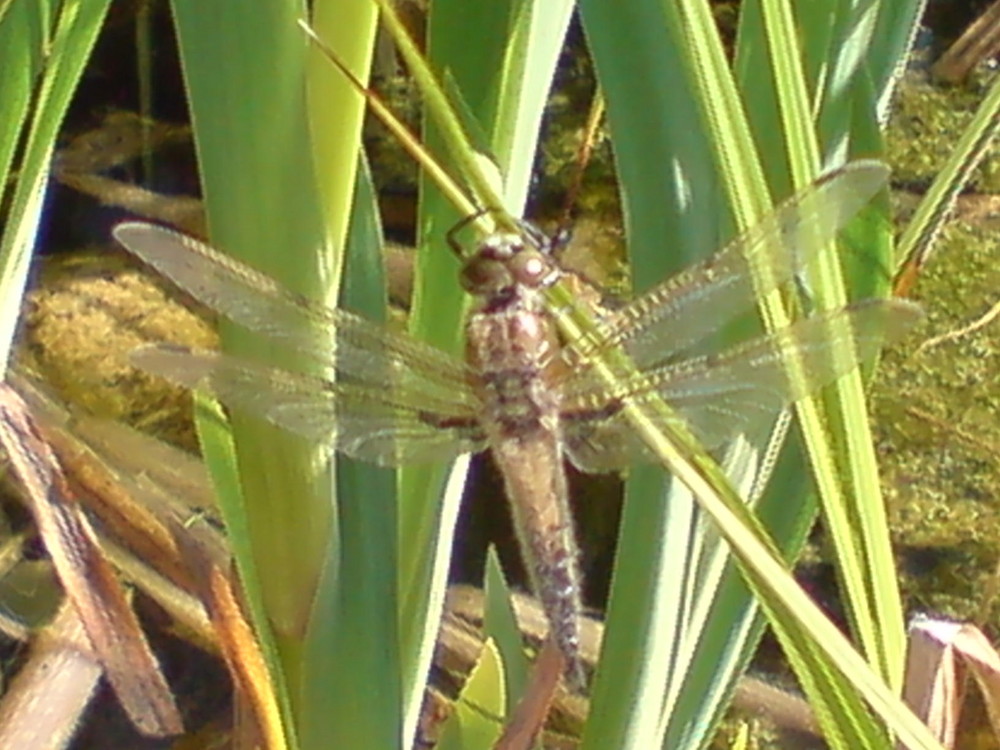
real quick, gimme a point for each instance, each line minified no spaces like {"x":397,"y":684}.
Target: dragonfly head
{"x":505,"y":261}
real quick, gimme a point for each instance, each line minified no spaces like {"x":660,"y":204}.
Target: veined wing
{"x":736,"y":391}
{"x":701,"y":299}
{"x":394,"y":400}
{"x":363,"y":350}
{"x":388,"y":426}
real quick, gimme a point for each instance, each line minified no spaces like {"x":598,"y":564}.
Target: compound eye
{"x":530,"y":268}
{"x":482,"y":275}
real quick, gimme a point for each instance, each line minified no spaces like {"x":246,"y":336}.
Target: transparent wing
{"x":388,"y":426}
{"x":700,"y":300}
{"x":362,"y":349}
{"x":737,"y":391}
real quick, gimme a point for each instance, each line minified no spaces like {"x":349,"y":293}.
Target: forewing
{"x":737,"y":391}
{"x":363,"y":349}
{"x":389,"y":426}
{"x":700,"y":300}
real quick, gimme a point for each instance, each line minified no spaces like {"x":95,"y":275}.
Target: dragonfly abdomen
{"x":535,"y":483}
{"x":511,"y":348}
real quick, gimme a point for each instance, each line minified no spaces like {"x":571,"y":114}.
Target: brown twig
{"x":88,"y":580}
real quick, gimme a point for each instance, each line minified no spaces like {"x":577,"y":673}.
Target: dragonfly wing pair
{"x":740,"y":390}
{"x":395,"y":400}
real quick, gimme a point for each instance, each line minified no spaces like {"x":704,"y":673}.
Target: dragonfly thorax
{"x":505,"y":262}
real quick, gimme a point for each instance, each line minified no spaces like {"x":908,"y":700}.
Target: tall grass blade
{"x":722,"y":163}
{"x":43,"y":48}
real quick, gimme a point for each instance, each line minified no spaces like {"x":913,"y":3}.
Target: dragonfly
{"x":522,"y":392}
